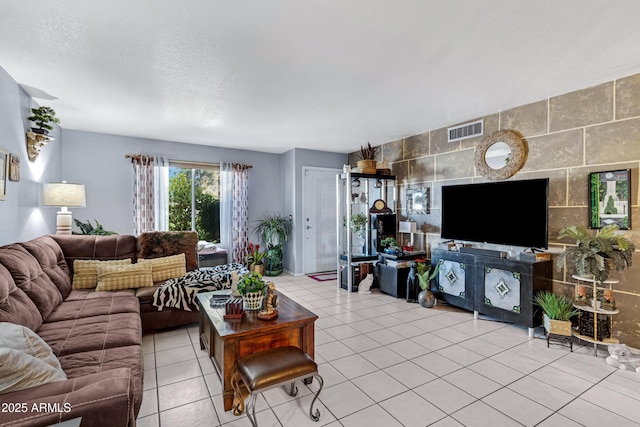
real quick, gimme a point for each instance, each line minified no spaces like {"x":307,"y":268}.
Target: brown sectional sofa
{"x":96,"y":336}
{"x":150,"y":245}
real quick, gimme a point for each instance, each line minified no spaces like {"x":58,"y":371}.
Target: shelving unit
{"x":356,"y":193}
{"x":595,"y":312}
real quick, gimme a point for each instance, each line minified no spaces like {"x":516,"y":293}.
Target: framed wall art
{"x":14,"y":167}
{"x":4,"y":169}
{"x":610,"y":199}
{"x":418,"y":201}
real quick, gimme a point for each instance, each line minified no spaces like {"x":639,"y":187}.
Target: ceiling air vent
{"x":467,"y":130}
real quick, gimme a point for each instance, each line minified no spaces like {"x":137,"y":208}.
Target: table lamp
{"x":64,"y":195}
{"x":408,"y":227}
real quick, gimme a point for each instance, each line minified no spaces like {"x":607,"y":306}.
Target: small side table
{"x":391,"y":272}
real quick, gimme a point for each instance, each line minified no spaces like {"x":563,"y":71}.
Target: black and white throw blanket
{"x":181,"y":292}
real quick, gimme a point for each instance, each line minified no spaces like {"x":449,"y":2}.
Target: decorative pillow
{"x":85,"y":274}
{"x":115,"y":277}
{"x":27,"y":360}
{"x":168,"y":267}
{"x":156,"y":244}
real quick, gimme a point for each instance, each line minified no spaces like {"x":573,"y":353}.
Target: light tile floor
{"x":386,"y":362}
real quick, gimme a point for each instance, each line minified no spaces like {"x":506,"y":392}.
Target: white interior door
{"x":319,"y":219}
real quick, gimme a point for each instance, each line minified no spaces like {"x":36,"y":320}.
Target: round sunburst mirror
{"x":500,"y":155}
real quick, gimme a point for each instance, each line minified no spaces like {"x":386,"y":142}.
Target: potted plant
{"x":595,"y":256}
{"x":426,"y":298}
{"x":358,"y":222}
{"x":274,"y":230}
{"x":358,"y":226}
{"x":557,"y":312}
{"x":255,"y":257}
{"x":251,"y":287}
{"x":42,"y":116}
{"x":88,"y":228}
{"x":389,"y":242}
{"x":368,"y":162}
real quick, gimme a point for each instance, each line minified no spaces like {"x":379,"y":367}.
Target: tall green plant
{"x":273,"y":229}
{"x":597,"y":255}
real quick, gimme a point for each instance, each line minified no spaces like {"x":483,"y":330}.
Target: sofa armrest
{"x":101,"y":399}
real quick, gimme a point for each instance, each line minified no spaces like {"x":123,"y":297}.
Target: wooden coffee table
{"x":226,"y":342}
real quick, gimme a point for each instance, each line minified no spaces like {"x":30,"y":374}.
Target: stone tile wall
{"x":568,"y":136}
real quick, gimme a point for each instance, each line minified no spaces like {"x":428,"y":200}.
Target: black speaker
{"x":383,"y":226}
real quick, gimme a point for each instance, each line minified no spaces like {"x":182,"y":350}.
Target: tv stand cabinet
{"x":501,"y":288}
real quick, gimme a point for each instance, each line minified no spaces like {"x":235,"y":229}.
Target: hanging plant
{"x":42,"y":116}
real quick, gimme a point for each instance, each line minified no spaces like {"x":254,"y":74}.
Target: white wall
{"x":21,"y":215}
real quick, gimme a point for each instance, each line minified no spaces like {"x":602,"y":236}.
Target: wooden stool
{"x":280,"y":366}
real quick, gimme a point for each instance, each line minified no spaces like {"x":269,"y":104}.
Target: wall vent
{"x":467,"y":130}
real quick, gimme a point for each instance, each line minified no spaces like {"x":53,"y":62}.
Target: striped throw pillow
{"x":85,"y":274}
{"x":115,"y":277}
{"x":168,"y":267}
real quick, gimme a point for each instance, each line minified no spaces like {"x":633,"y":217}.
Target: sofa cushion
{"x":20,"y":370}
{"x":164,"y":268}
{"x":102,"y":399}
{"x":81,"y":364}
{"x":15,"y":305}
{"x":82,"y":304}
{"x":158,"y":244}
{"x":115,"y":277}
{"x":51,"y":259}
{"x":85,"y":271}
{"x":96,"y":247}
{"x":92,"y":333}
{"x":29,"y":277}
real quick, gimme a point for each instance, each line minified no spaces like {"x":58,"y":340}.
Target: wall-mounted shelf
{"x":35,"y":142}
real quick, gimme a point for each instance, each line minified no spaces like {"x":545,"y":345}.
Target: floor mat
{"x":324,"y":277}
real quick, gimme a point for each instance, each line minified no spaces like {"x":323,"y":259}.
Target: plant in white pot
{"x":252,"y":287}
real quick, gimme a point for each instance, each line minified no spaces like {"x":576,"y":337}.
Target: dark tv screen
{"x":513,"y":213}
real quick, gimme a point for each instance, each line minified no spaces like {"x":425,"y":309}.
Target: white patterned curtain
{"x":150,"y":194}
{"x":161,"y":193}
{"x":234,"y":210}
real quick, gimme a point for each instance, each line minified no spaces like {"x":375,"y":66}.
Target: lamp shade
{"x":63,"y":194}
{"x":407,"y":227}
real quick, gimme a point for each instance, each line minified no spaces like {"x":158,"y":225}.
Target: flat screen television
{"x":513,"y":213}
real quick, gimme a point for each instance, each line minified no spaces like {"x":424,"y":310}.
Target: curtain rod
{"x":138,"y":156}
{"x":240,"y":165}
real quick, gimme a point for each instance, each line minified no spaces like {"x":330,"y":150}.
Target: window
{"x":194,"y":199}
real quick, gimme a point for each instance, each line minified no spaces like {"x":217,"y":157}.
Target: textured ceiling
{"x":327,"y":75}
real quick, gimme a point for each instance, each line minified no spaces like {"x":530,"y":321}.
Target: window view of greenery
{"x":195,"y":190}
